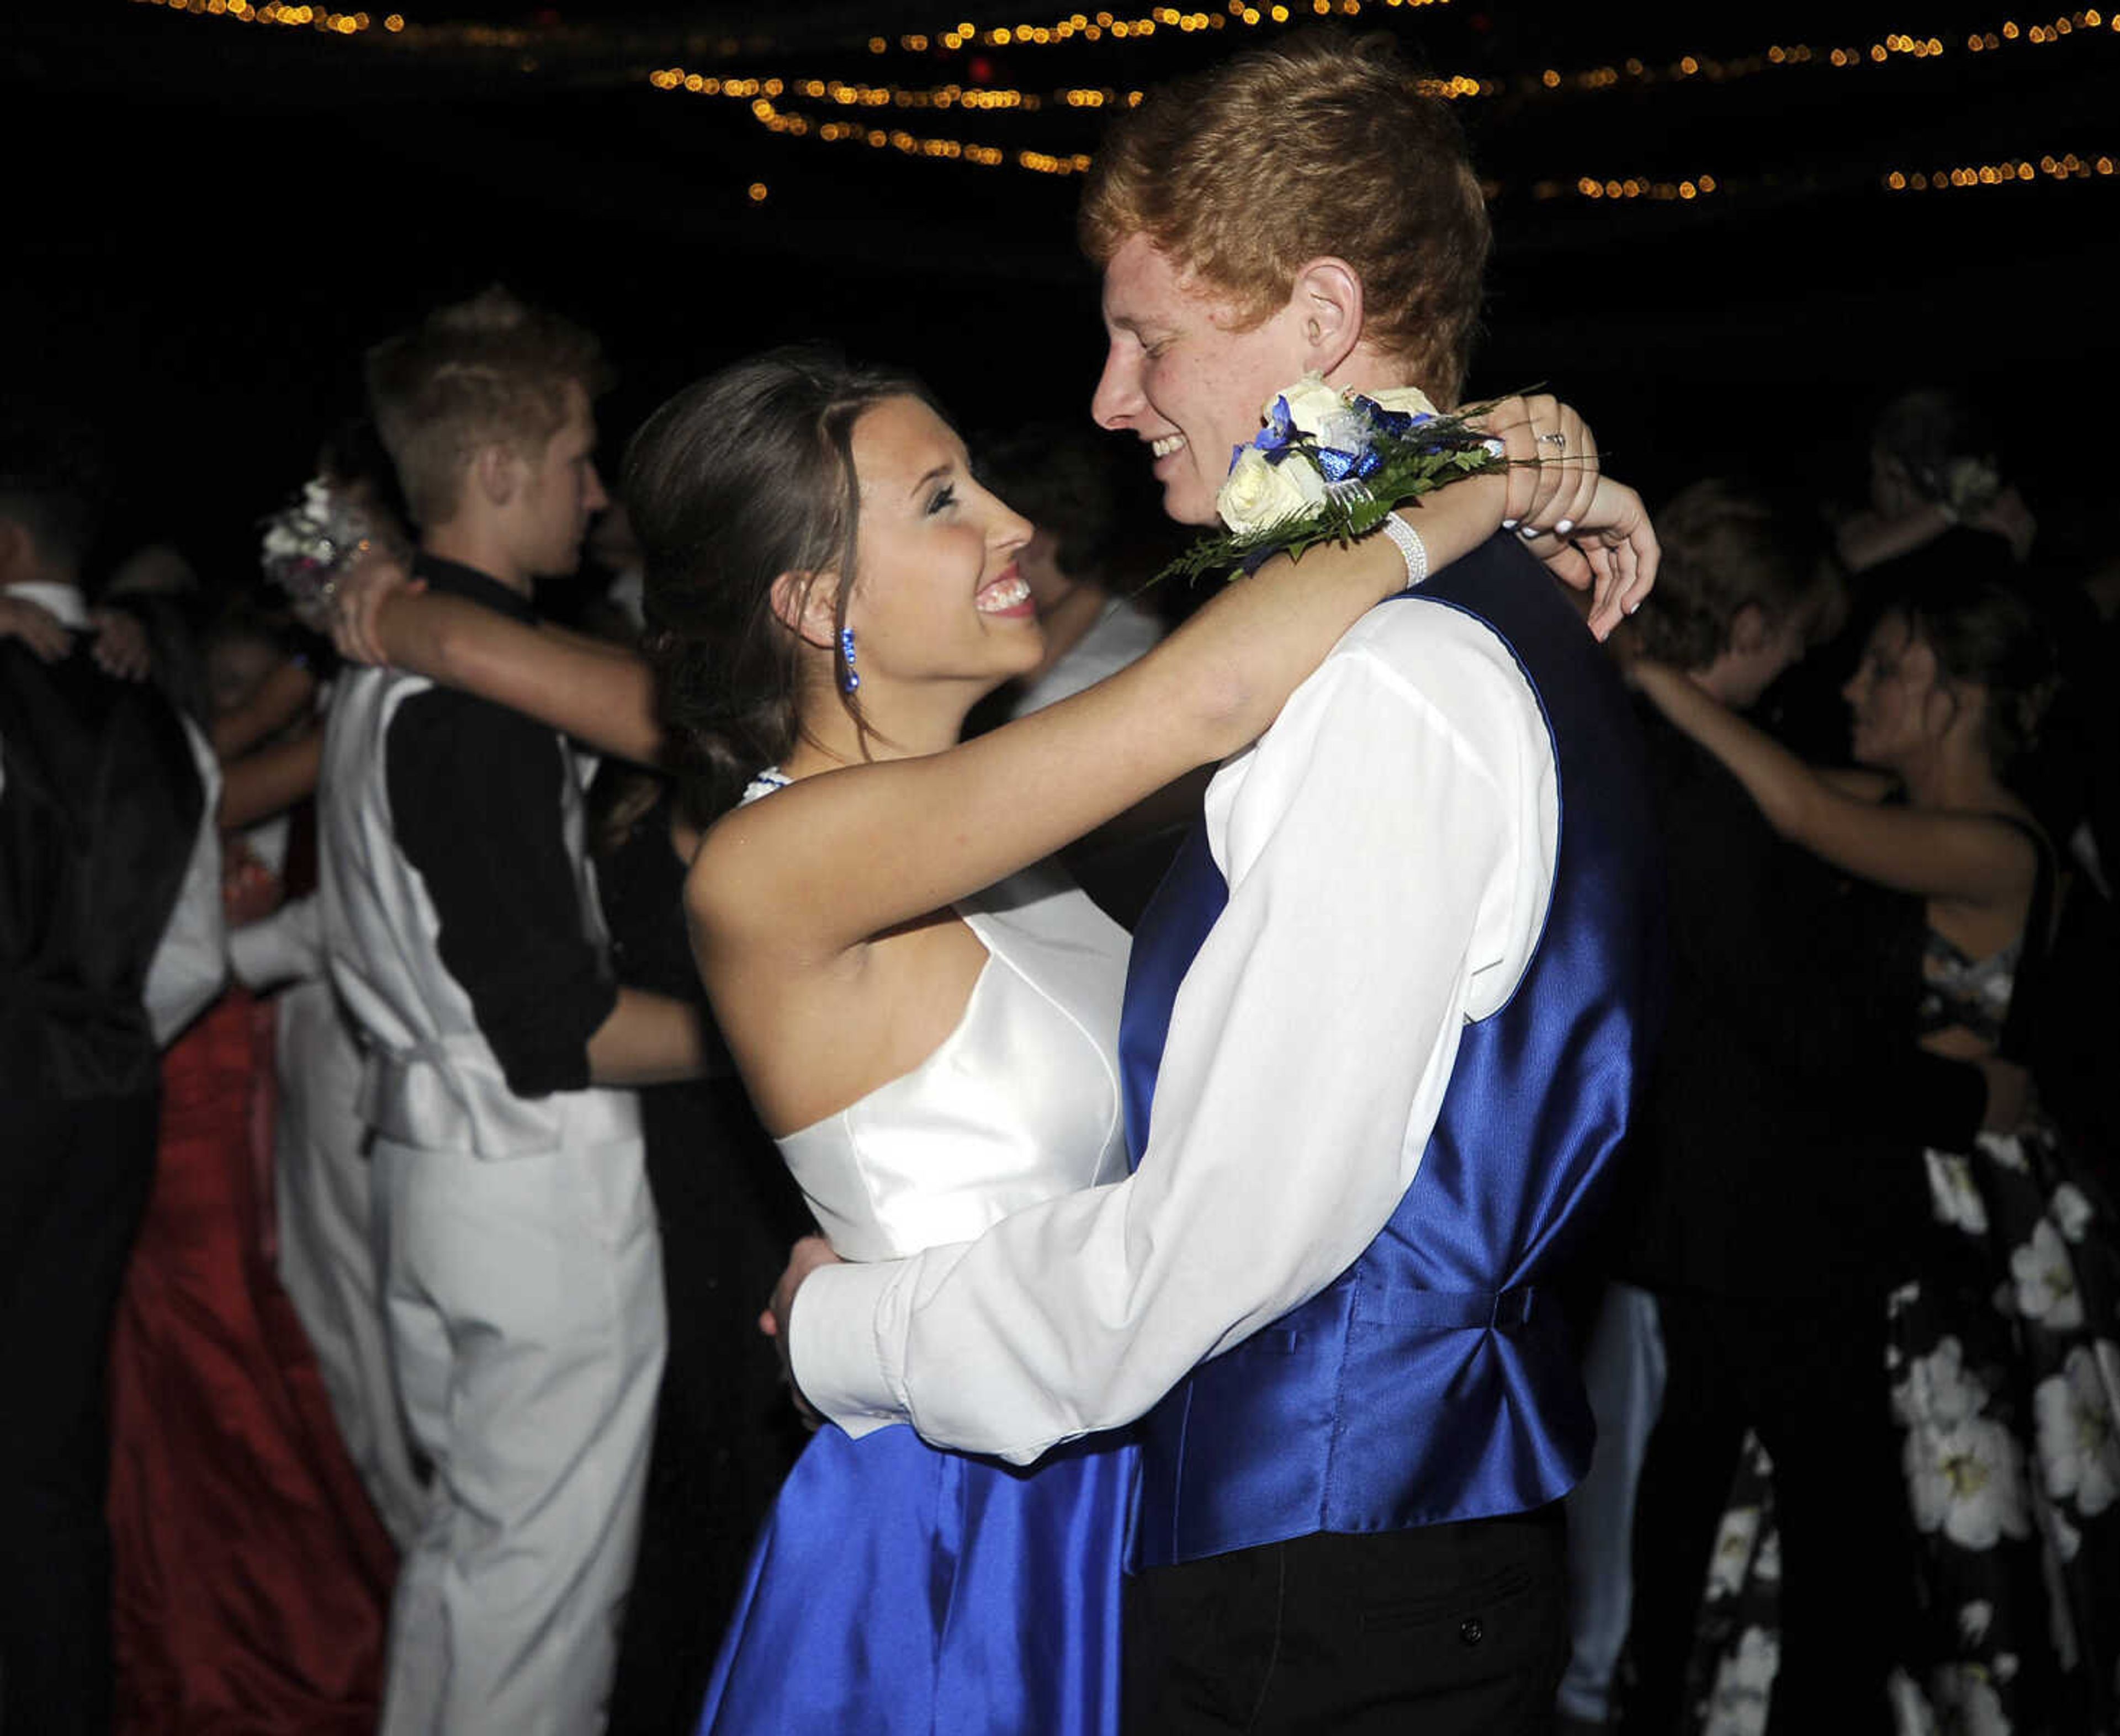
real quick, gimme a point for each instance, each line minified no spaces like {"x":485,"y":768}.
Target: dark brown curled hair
{"x":1985,"y":633}
{"x":744,"y":476}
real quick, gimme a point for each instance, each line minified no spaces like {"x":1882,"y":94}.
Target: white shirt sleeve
{"x":1388,"y":847}
{"x":191,"y":962}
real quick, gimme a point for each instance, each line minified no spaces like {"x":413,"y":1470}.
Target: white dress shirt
{"x":1389,"y":847}
{"x":190,"y":962}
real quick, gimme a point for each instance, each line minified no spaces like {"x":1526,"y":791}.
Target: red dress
{"x":251,"y":1577}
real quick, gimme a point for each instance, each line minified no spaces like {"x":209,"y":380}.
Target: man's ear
{"x":497,"y":473}
{"x":1326,"y":300}
{"x":807,"y":606}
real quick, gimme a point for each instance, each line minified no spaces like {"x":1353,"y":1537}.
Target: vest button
{"x":1471,"y":1631}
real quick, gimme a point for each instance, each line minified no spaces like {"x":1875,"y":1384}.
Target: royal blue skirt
{"x":898,"y":1588}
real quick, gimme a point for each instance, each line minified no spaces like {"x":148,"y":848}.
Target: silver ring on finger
{"x":1554,"y":439}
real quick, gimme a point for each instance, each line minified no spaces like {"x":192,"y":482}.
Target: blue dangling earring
{"x":848,"y":680}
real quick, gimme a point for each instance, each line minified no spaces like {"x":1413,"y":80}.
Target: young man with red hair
{"x":1382,"y":1020}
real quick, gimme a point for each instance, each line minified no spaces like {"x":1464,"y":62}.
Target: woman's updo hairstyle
{"x":746,"y":475}
{"x":1985,"y":634}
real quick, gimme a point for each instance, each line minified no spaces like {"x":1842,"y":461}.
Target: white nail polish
{"x":1509,"y":524}
{"x":1563,"y":527}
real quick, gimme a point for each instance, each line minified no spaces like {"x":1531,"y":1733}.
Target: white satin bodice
{"x":1018,"y":1103}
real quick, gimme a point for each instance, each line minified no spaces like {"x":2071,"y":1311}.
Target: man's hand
{"x":803,"y":1259}
{"x":121,"y":647}
{"x":35,"y":626}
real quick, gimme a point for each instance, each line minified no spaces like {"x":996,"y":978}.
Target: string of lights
{"x":1895,"y":48}
{"x":1551,"y":80}
{"x":764,"y":97}
{"x":290,"y":17}
{"x":966,"y":35}
{"x":1634,"y":70}
{"x":2005,"y":174}
{"x":773,"y":101}
{"x":1891,"y":49}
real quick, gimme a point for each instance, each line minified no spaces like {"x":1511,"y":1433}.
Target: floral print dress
{"x":2004,"y":1365}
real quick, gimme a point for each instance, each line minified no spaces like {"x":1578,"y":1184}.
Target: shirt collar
{"x":66,"y":601}
{"x":454,"y":579}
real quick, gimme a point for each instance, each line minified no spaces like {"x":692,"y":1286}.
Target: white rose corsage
{"x":309,"y":545}
{"x":1328,"y":465}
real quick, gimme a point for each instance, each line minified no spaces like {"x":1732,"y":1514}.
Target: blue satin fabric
{"x":900,"y":1589}
{"x":1434,"y":1381}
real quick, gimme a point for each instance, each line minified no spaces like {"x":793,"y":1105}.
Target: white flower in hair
{"x":308,"y":546}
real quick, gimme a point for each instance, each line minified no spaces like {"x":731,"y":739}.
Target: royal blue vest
{"x":1433,"y":1379}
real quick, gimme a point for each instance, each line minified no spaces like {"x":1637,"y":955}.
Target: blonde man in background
{"x":520,"y":1264}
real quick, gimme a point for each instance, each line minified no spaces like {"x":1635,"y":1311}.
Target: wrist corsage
{"x":1330,"y":465}
{"x":308,"y":545}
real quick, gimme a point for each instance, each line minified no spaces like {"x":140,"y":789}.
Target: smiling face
{"x":1180,"y":376}
{"x":1898,"y":703}
{"x":939,"y":595}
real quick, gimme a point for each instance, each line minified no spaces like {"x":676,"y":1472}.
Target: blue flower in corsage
{"x":1328,"y":465}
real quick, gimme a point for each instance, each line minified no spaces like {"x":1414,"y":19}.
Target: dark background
{"x":208,"y":220}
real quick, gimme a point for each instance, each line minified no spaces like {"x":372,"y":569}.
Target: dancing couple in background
{"x":1385,"y":1013}
{"x":1934,"y":1368}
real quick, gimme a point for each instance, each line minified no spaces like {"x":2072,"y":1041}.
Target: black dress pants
{"x":1442,"y":1629}
{"x":74,"y":1180}
{"x":1809,"y":1375}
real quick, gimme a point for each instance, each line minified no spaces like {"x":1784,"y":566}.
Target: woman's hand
{"x":35,"y":626}
{"x":803,"y":1259}
{"x":357,"y":604}
{"x":1593,"y":533}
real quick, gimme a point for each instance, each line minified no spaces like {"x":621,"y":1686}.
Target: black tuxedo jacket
{"x":98,"y":813}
